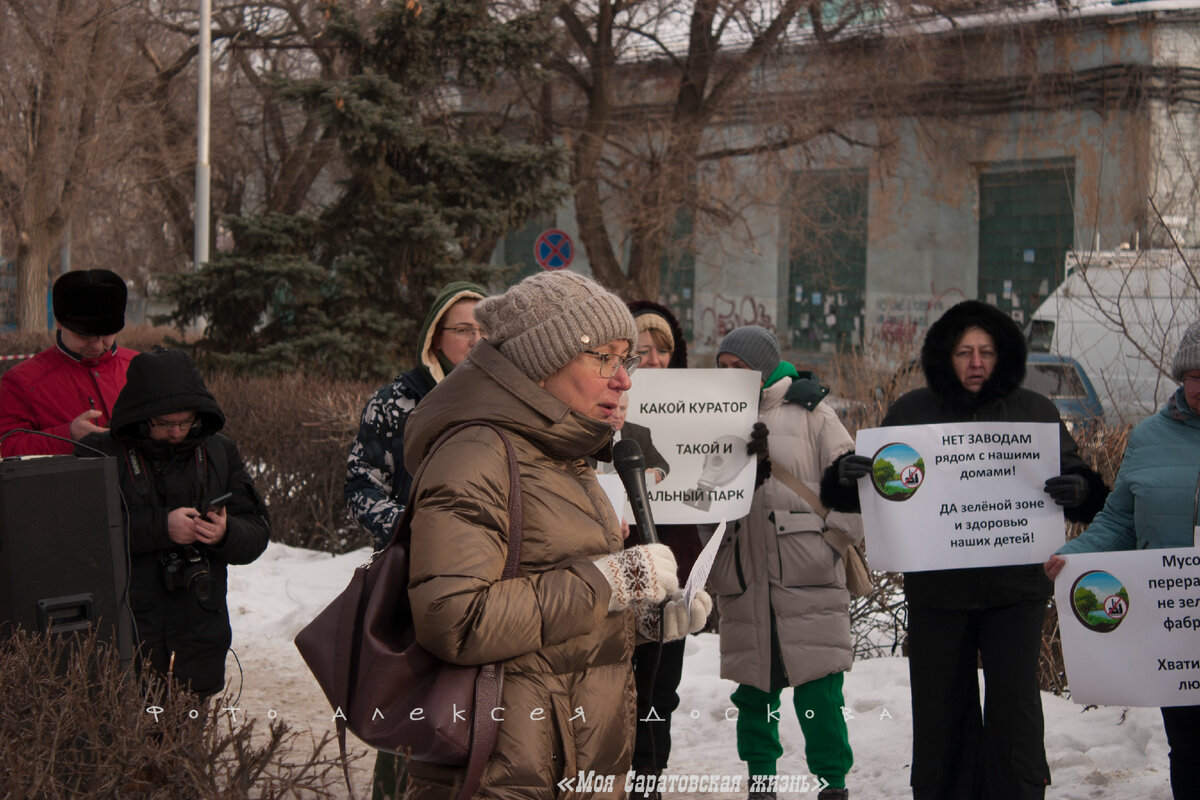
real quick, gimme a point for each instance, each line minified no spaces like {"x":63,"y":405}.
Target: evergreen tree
{"x":436,"y":171}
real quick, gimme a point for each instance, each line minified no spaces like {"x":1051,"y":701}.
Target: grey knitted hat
{"x":1188,"y":355}
{"x":755,"y":345}
{"x":549,"y":318}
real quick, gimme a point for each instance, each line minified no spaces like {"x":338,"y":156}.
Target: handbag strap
{"x":838,"y":540}
{"x":796,"y":485}
{"x":516,"y":513}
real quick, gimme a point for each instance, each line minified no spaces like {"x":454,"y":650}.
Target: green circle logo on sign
{"x":897,"y":471}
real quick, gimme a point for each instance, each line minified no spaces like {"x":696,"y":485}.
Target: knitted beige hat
{"x":649,"y":320}
{"x":549,"y":318}
{"x":1188,"y":356}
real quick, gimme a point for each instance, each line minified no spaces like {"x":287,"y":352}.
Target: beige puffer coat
{"x":568,"y":693}
{"x":775,"y":559}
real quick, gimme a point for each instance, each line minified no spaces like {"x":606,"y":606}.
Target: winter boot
{"x":758,"y":788}
{"x":650,"y":794}
{"x":830,"y":793}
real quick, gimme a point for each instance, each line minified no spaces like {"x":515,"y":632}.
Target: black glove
{"x":853,"y":467}
{"x":757,"y":446}
{"x":1069,"y":491}
{"x":762,"y":472}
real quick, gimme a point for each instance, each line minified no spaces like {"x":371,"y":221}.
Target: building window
{"x":827,"y":260}
{"x":1026,"y":227}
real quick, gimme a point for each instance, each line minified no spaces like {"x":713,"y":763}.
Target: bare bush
{"x":294,"y":434}
{"x":1052,"y":672}
{"x":76,"y":723}
{"x":878,"y":622}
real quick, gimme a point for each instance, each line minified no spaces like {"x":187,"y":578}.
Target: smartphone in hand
{"x":215,"y":503}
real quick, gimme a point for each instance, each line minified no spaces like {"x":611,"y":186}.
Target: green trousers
{"x":818,"y":704}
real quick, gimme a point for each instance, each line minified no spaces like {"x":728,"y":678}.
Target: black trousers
{"x":1183,"y":735}
{"x":960,"y":753}
{"x":655,"y":701}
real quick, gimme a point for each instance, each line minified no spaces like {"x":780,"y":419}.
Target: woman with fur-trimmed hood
{"x":377,"y":484}
{"x":974,"y":362}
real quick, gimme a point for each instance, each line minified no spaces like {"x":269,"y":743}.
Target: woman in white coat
{"x":781,"y":588}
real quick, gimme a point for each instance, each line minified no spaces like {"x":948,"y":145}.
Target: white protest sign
{"x":1130,"y":624}
{"x":698,"y":421}
{"x":960,"y":495}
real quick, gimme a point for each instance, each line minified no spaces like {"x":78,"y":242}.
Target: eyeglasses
{"x":183,"y":425}
{"x":464,"y":331}
{"x":611,"y":362}
{"x":662,"y":354}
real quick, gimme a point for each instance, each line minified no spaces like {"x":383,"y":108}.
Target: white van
{"x":1121,"y":314}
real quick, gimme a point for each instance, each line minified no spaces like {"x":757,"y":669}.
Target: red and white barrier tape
{"x":17,"y":358}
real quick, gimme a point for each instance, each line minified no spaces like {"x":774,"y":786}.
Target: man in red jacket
{"x":68,"y":390}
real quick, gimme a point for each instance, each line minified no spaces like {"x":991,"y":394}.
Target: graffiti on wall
{"x":724,"y":314}
{"x":898,"y":319}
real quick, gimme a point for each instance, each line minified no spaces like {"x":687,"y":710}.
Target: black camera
{"x":187,"y":568}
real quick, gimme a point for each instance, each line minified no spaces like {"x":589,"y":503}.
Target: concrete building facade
{"x":1023,"y":139}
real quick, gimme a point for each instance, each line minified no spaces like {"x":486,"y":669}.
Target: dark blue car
{"x":1063,"y":380}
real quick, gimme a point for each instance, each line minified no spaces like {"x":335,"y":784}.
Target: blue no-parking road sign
{"x":554,"y":249}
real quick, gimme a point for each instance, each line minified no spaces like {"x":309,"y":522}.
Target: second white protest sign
{"x":959,"y":495}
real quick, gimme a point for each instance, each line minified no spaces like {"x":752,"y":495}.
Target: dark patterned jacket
{"x":377,"y":484}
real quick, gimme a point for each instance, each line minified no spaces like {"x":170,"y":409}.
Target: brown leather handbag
{"x":387,"y":689}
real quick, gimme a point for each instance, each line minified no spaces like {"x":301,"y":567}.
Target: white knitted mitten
{"x":645,"y":573}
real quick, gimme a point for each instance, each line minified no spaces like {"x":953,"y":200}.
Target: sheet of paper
{"x":699,"y":574}
{"x":615,"y":491}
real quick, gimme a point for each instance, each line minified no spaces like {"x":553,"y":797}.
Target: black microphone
{"x":631,"y":466}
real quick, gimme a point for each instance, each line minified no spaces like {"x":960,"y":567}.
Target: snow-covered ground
{"x":1094,"y":754}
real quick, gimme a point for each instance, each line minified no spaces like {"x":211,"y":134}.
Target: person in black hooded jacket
{"x":165,"y":434}
{"x":658,"y":668}
{"x":973,"y":358}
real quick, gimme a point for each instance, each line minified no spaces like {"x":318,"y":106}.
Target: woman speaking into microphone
{"x":558,"y":355}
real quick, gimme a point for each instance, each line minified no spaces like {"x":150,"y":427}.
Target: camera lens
{"x":201,"y":585}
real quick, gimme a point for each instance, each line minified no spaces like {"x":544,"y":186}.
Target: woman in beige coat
{"x":557,"y":359}
{"x":781,"y":588}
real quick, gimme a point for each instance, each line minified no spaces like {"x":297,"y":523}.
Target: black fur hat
{"x":944,"y":334}
{"x":90,"y":302}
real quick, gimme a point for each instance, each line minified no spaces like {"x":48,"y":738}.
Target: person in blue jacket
{"x":1154,"y":505}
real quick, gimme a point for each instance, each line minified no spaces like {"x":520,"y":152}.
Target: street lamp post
{"x":203,"y":170}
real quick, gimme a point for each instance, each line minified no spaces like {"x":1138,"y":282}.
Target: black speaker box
{"x":63,"y":559}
